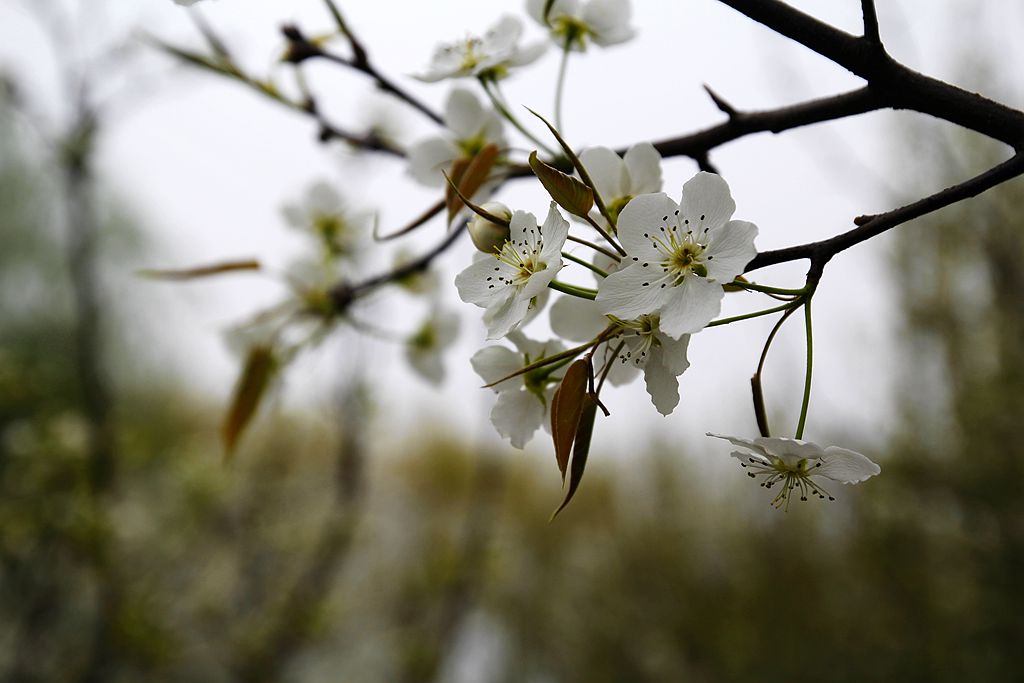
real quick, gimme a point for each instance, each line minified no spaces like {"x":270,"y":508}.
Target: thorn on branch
{"x":722,"y":105}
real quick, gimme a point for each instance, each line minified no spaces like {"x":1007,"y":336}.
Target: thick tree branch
{"x":819,"y":253}
{"x":740,"y":124}
{"x":900,"y":87}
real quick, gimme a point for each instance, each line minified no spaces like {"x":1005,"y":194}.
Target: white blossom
{"x":504,"y":283}
{"x":490,"y":56}
{"x":606,"y":22}
{"x":619,"y":179}
{"x":425,"y":348}
{"x":323,"y":214}
{"x":523,"y":401}
{"x":303,"y":317}
{"x":680,"y":256}
{"x":644,"y":347}
{"x":471,"y":126}
{"x":791,"y":465}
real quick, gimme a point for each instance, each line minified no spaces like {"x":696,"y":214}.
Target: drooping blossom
{"x":791,"y":465}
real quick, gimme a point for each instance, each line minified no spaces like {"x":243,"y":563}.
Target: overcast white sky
{"x":206,"y":165}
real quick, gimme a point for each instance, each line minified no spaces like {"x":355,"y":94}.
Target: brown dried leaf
{"x":259,"y":368}
{"x":566,"y":407}
{"x":580,"y":449}
{"x":471,"y":177}
{"x":200,"y":271}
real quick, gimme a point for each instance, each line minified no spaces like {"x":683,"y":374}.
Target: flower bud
{"x":489,"y":237}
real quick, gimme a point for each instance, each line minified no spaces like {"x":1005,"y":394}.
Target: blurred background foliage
{"x":128,"y":551}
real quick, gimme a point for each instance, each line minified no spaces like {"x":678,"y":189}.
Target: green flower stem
{"x":596,"y":247}
{"x":756,"y":314}
{"x":601,"y":231}
{"x":767,"y":290}
{"x":569,"y":257}
{"x":759,"y":408}
{"x":807,"y":378}
{"x":491,"y":88}
{"x":560,"y":87}
{"x":581,"y":292}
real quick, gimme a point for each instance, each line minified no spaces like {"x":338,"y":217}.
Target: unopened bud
{"x":487,"y":236}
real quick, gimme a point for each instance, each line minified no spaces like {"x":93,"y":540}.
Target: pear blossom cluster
{"x":629,"y":276}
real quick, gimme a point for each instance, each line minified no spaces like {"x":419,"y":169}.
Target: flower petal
{"x":481,"y":283}
{"x":756,"y":449}
{"x":528,"y":54}
{"x":295,"y":216}
{"x":520,"y":226}
{"x":608,"y":172}
{"x":561,"y":8}
{"x":494,"y":362}
{"x":732,"y":248}
{"x":673,"y":353}
{"x":646,"y":214}
{"x":644,"y":166}
{"x":322,"y":198}
{"x":555,"y":231}
{"x":691,"y":306}
{"x":846,"y":466}
{"x":428,"y":157}
{"x":428,"y":363}
{"x":516,"y":416}
{"x":463,"y":114}
{"x":609,"y":20}
{"x":706,"y":202}
{"x":540,"y":280}
{"x":576,"y":319}
{"x":790,"y":451}
{"x":624,"y":295}
{"x":662,"y":385}
{"x":502,"y":317}
{"x":748,"y":458}
{"x":503,"y":36}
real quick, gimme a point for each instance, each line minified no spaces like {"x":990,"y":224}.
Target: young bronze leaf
{"x":474,"y":175}
{"x":566,"y":406}
{"x":259,"y":368}
{"x":581,"y":448}
{"x":478,"y":210}
{"x":568,"y":193}
{"x":200,"y":271}
{"x":451,"y":197}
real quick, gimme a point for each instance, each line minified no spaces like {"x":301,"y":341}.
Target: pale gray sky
{"x":207,"y":165}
